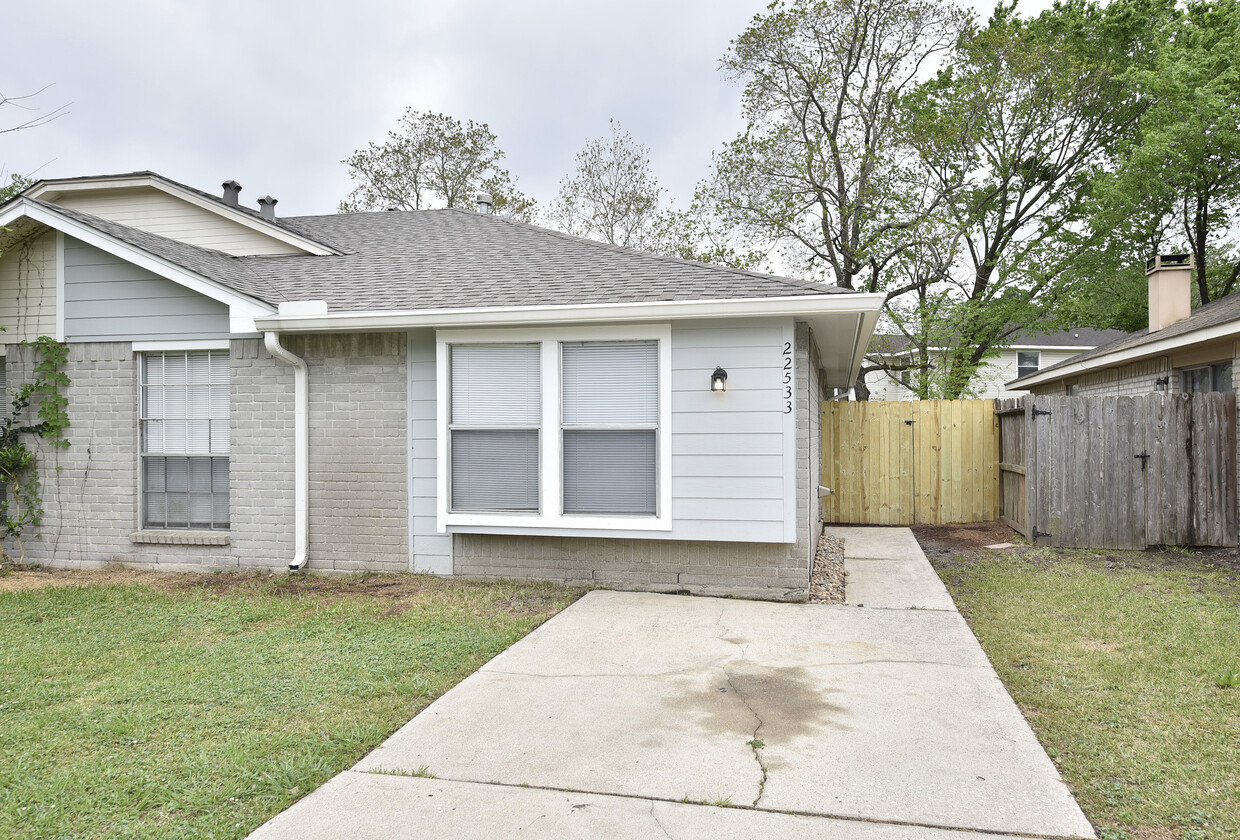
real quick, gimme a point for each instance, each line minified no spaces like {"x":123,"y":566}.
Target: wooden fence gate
{"x":905,"y":463}
{"x":1120,"y":472}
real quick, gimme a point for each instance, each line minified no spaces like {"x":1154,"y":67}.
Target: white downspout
{"x":301,"y":450}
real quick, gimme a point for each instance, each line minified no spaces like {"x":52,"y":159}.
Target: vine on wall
{"x":22,"y":505}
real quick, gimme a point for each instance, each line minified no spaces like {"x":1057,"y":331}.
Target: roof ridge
{"x":621,"y":249}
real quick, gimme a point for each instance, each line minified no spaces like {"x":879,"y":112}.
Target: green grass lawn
{"x":201,"y":707}
{"x":1117,"y":663}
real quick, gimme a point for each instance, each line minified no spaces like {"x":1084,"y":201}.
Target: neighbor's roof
{"x":446,"y":259}
{"x":1080,"y":337}
{"x":1224,"y":311}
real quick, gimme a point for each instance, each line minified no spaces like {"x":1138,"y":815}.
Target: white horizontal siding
{"x":28,"y":289}
{"x":729,"y":450}
{"x":988,"y":383}
{"x":154,"y":211}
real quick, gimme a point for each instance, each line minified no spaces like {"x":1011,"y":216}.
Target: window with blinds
{"x":609,"y":426}
{"x":183,"y":415}
{"x":495,"y":415}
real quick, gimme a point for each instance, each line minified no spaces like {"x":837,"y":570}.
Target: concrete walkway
{"x":636,"y":715}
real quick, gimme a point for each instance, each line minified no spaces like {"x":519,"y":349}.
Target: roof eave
{"x":823,"y":312}
{"x":1156,"y":347}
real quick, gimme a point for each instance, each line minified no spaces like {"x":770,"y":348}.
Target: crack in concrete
{"x":659,"y":822}
{"x":754,"y":741}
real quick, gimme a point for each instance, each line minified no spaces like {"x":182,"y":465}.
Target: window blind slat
{"x":611,"y":382}
{"x":496,"y":385}
{"x":494,"y":470}
{"x":610,"y":472}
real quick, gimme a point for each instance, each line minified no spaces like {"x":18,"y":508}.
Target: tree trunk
{"x":861,"y":392}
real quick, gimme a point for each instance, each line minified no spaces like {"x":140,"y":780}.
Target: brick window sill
{"x":180,"y":538}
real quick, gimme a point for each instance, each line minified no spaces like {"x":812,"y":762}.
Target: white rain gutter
{"x":301,"y":450}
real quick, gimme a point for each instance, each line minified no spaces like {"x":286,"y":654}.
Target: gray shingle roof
{"x":1216,"y":312}
{"x":448,"y":259}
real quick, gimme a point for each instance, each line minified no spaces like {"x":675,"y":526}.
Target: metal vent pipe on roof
{"x":267,"y":206}
{"x":231,"y":191}
{"x":486,"y":202}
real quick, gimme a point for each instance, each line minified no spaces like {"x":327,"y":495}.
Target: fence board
{"x":943,"y":468}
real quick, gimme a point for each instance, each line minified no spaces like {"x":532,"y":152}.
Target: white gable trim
{"x":242,"y":310}
{"x":135,"y":181}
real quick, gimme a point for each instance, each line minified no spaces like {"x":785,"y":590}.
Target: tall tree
{"x":612,"y":195}
{"x":1176,"y":183}
{"x":1026,"y":112}
{"x":433,"y":160}
{"x":821,"y":172}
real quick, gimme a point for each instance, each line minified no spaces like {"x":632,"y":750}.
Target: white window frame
{"x":141,"y":350}
{"x":551,"y":455}
{"x":1037,"y":366}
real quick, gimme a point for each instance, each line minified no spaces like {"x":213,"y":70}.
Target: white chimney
{"x":1171,"y":289}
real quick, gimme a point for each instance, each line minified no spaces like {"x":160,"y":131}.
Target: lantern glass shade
{"x":719,"y":380}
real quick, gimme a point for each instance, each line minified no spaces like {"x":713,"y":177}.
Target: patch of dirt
{"x":1155,"y":832}
{"x":826,"y":581}
{"x":16,"y":578}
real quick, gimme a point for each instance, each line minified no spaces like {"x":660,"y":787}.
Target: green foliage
{"x":433,"y":160}
{"x":1174,"y":181}
{"x":22,"y":505}
{"x":16,"y":184}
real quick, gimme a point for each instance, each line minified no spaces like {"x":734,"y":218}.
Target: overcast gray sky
{"x":276,"y":94}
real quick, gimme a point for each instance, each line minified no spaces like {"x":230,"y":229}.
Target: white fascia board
{"x":242,"y":310}
{"x":1231,"y":329}
{"x":591,"y":313}
{"x":132,"y":182}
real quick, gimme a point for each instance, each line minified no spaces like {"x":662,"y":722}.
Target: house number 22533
{"x":787,"y":377}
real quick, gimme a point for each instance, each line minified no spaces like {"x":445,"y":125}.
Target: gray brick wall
{"x":358,"y":464}
{"x":261,"y":457}
{"x":90,"y":490}
{"x":758,"y":569}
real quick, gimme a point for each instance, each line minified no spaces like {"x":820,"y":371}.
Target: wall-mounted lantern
{"x":719,"y":380}
{"x":1160,"y":384}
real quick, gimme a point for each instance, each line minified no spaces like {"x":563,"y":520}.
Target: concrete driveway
{"x":636,"y":715}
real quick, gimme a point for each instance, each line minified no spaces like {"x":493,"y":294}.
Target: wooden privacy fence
{"x":1120,"y":472}
{"x":905,"y":463}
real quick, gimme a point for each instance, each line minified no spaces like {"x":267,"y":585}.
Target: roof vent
{"x":267,"y":206}
{"x":486,"y":203}
{"x":391,"y":208}
{"x":231,"y":190}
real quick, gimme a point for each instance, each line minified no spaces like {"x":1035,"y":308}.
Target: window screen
{"x":184,"y":427}
{"x":495,"y":414}
{"x":610,"y":424}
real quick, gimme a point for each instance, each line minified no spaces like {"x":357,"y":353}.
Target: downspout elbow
{"x":301,"y":450}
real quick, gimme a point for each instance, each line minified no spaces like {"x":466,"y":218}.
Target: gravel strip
{"x":826,"y":581}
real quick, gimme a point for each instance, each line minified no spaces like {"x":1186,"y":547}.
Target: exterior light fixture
{"x":719,"y":380}
{"x":1160,"y":384}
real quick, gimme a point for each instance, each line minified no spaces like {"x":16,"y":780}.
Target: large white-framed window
{"x":183,"y":408}
{"x":555,"y":428}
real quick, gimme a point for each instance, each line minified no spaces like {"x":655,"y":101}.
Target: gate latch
{"x":1037,"y":412}
{"x":1145,"y":457}
{"x":1036,"y":533}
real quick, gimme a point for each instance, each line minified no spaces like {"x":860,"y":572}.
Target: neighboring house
{"x":442,"y":391}
{"x":1182,"y":351}
{"x":1029,"y":353}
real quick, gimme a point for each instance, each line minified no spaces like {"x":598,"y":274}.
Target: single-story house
{"x":1029,"y":352}
{"x":1182,"y":351}
{"x":442,"y":391}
